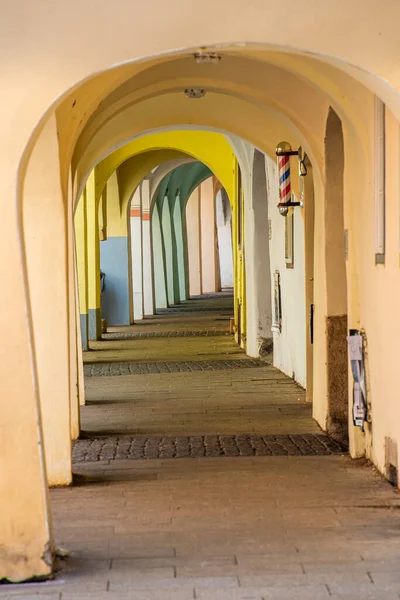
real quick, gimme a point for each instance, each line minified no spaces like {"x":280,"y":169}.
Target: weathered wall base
{"x":337,"y":376}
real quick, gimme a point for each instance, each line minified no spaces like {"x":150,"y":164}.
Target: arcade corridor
{"x":181,"y":375}
{"x":200,"y":473}
{"x":153,"y":152}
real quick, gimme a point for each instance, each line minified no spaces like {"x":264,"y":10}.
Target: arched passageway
{"x":228,"y":106}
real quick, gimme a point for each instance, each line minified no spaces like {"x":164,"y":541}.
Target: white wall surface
{"x":193,"y":228}
{"x":137,"y":280}
{"x":289,"y":344}
{"x":224,"y":233}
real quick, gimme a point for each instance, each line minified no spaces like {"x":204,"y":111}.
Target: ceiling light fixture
{"x":207,"y":58}
{"x":195,"y":92}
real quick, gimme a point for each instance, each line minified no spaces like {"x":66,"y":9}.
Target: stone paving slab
{"x":255,"y":528}
{"x":246,"y":527}
{"x":164,"y":349}
{"x":240,"y":401}
{"x":139,"y":447}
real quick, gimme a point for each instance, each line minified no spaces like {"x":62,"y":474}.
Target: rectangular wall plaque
{"x":289,"y":226}
{"x":277,"y":309}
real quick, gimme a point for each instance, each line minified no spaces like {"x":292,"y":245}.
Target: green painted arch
{"x":181,"y":181}
{"x":201,"y":176}
{"x":172,"y":245}
{"x":175,"y":187}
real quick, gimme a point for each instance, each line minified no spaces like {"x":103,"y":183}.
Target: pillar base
{"x":84,"y":331}
{"x":94,"y":324}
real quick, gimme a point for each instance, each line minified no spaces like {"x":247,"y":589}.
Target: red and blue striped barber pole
{"x":285,"y":188}
{"x":284,"y":152}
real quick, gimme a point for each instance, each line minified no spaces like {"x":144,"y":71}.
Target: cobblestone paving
{"x":158,"y":334}
{"x":139,"y":447}
{"x":141,"y":368}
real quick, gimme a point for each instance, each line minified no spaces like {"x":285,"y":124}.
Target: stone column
{"x":208,"y":236}
{"x":93,"y":254}
{"x":148,"y":289}
{"x":137,"y":255}
{"x":180,"y":249}
{"x":193,"y":227}
{"x":160,"y":285}
{"x":166,"y":227}
{"x":82,"y":267}
{"x":257,"y":256}
{"x":26,"y":541}
{"x":45,"y":228}
{"x":76,"y":390}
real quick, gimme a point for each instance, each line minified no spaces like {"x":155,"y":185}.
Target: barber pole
{"x":285,"y":189}
{"x":284,"y":152}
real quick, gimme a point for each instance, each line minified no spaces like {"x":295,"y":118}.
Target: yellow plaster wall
{"x":103,"y":214}
{"x":115,"y":225}
{"x":379,"y":293}
{"x":50,"y":297}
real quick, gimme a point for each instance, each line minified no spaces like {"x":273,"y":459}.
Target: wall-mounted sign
{"x":356,"y":355}
{"x":277,"y":309}
{"x":289,"y":227}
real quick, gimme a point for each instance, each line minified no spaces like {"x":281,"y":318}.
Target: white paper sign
{"x":355,"y":347}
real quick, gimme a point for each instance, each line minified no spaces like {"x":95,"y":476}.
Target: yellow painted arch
{"x":135,"y":160}
{"x":208,"y":147}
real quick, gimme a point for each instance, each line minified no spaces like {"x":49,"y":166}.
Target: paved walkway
{"x":235,"y":528}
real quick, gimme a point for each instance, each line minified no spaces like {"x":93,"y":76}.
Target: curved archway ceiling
{"x":264,"y":86}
